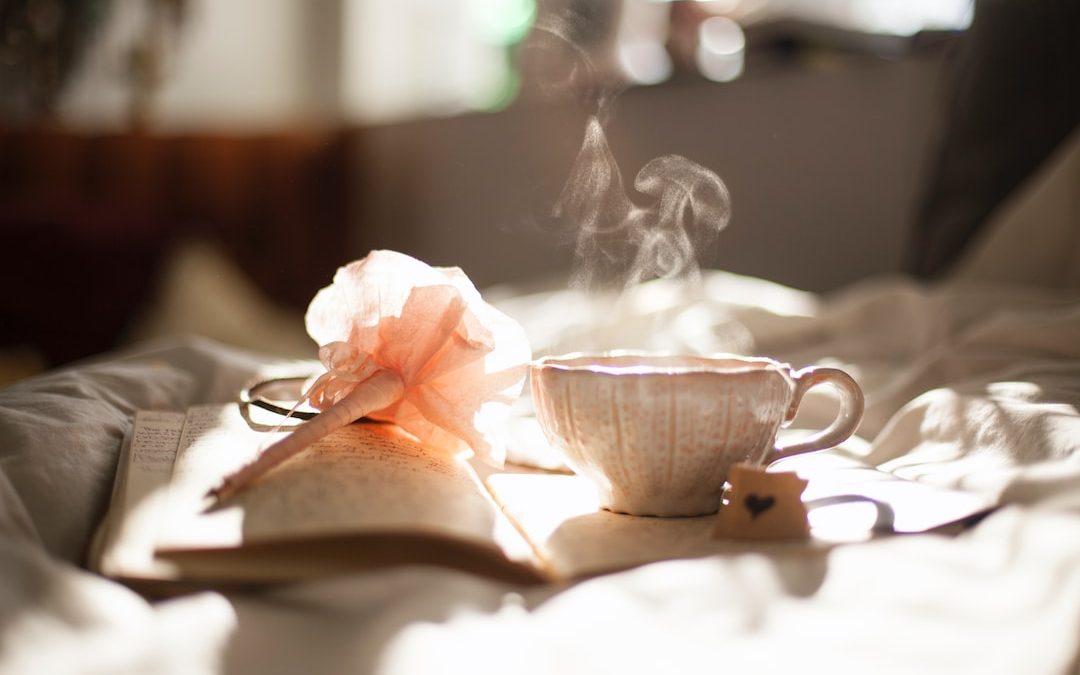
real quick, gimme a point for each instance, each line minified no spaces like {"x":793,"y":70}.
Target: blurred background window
{"x":266,"y":63}
{"x":203,"y":165}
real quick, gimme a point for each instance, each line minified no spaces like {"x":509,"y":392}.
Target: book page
{"x":125,"y":542}
{"x":364,"y":479}
{"x":561,"y":516}
{"x":846,"y":497}
{"x":847,"y":501}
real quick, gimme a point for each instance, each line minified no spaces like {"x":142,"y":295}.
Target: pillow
{"x":60,"y":432}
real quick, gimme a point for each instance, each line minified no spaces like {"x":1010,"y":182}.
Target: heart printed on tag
{"x":757,"y":504}
{"x":753,"y":491}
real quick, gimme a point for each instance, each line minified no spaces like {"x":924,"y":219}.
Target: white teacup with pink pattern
{"x":656,"y":434}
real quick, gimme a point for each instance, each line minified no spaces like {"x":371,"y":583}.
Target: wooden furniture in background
{"x":87,"y":221}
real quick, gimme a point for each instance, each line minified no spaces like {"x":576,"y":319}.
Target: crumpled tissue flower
{"x":410,"y":344}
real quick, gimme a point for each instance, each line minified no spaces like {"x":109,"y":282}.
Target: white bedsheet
{"x":984,"y":398}
{"x":973,"y":386}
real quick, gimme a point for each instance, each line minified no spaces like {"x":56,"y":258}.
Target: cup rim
{"x":609,"y":362}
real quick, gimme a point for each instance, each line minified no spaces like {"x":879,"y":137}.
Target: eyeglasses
{"x":277,"y":395}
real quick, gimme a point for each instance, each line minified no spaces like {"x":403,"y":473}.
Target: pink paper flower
{"x":410,"y":344}
{"x":460,"y":361}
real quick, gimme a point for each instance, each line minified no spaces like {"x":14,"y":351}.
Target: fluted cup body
{"x":656,"y":435}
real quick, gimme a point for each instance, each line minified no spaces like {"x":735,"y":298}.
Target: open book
{"x":370,"y":496}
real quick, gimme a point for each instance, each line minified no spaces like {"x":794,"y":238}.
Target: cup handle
{"x":851,"y":410}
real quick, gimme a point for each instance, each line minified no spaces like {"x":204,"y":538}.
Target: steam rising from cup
{"x":620,"y":241}
{"x":679,"y":207}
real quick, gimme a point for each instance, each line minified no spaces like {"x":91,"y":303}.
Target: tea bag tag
{"x":762,"y":506}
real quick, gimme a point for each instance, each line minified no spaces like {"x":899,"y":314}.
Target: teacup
{"x":657,"y":434}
